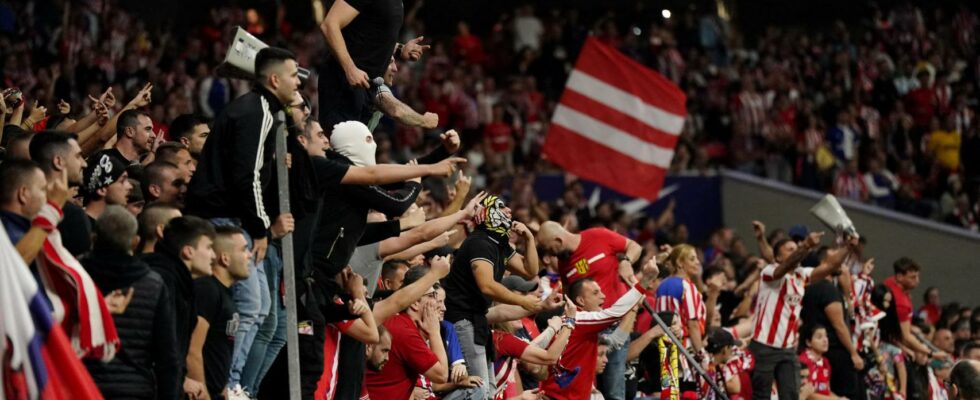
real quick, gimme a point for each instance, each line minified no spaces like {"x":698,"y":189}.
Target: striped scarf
{"x":77,"y":301}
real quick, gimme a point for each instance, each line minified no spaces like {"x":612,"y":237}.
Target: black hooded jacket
{"x":180,"y":289}
{"x":147,"y":365}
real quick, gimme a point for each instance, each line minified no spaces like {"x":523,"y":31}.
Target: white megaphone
{"x":240,"y":60}
{"x":829,"y":211}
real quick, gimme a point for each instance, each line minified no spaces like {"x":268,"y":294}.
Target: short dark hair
{"x":13,"y":175}
{"x":576,"y":288}
{"x":389,"y":267}
{"x":779,"y":244}
{"x":128,"y":118}
{"x":186,"y":231}
{"x":153,"y":174}
{"x":184,"y":124}
{"x":225,"y":232}
{"x":45,"y":145}
{"x":966,"y":378}
{"x":269,"y":57}
{"x":414,"y":274}
{"x":167,"y":151}
{"x":711,"y":272}
{"x":12,"y":136}
{"x":152,"y":216}
{"x":968,"y":347}
{"x":115,"y":229}
{"x":905,"y":265}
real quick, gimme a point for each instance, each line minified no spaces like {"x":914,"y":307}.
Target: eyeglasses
{"x":433,"y":294}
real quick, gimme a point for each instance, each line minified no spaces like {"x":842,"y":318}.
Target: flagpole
{"x":288,"y":261}
{"x":719,"y":392}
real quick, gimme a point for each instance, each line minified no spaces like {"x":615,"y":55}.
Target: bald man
{"x":607,"y":258}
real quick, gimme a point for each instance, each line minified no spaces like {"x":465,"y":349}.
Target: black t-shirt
{"x":464,"y":300}
{"x":818,"y":296}
{"x":216,"y":305}
{"x":372,"y":35}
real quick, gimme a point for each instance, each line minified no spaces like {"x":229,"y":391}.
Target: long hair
{"x":678,"y":253}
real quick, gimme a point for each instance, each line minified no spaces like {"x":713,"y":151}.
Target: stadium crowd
{"x":140,"y":187}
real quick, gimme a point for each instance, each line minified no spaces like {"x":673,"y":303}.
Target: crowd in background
{"x":882,"y":112}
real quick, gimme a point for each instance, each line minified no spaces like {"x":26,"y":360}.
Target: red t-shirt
{"x":903,"y":303}
{"x":499,"y":135}
{"x":583,"y":348}
{"x":596,"y":258}
{"x":507,"y":347}
{"x":819,"y":375}
{"x":410,"y":357}
{"x":327,"y":384}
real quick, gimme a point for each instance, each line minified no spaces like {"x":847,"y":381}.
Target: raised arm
{"x":765,"y":250}
{"x":525,"y":265}
{"x":630,"y":255}
{"x":382,"y":174}
{"x":407,"y":295}
{"x":794,"y":259}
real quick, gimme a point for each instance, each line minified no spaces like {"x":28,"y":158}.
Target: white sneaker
{"x":237,"y":393}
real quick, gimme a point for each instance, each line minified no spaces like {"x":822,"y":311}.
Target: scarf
{"x":86,"y":318}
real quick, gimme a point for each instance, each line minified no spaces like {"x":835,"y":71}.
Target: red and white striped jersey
{"x":680,"y":296}
{"x":777,"y":309}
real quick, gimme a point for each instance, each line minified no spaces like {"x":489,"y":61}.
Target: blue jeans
{"x":252,"y":301}
{"x":272,"y":334}
{"x":612,"y":381}
{"x":475,"y":355}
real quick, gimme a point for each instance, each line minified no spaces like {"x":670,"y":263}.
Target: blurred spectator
{"x":150,"y":367}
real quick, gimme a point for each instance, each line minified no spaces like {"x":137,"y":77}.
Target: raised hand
{"x":57,"y":190}
{"x":450,"y":139}
{"x":554,"y":323}
{"x":521,"y":230}
{"x":414,"y":48}
{"x":430,"y":120}
{"x":108,"y":98}
{"x":813,"y":239}
{"x":430,"y":319}
{"x":354,"y":284}
{"x":413,"y":217}
{"x":143,"y":98}
{"x":37,"y":113}
{"x":473,"y":208}
{"x":440,"y":266}
{"x":358,"y":307}
{"x":63,"y":107}
{"x":570,"y":308}
{"x":759,"y":228}
{"x":447,"y":167}
{"x":117,"y":300}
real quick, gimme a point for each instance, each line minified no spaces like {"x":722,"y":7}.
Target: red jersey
{"x":410,"y":357}
{"x":819,"y":368}
{"x":583,"y":348}
{"x":596,"y":258}
{"x":903,"y":303}
{"x":499,"y":135}
{"x":508,"y":348}
{"x":680,"y":296}
{"x":327,"y":384}
{"x":777,"y":309}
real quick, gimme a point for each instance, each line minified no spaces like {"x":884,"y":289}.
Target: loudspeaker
{"x":829,"y":211}
{"x":240,"y":60}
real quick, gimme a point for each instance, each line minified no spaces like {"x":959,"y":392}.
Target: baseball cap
{"x":718,"y":339}
{"x":516,"y":283}
{"x":798,"y":232}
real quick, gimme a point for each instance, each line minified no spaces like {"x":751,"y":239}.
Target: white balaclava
{"x":353,"y":140}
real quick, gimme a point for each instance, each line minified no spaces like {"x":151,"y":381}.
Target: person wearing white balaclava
{"x":353,"y":140}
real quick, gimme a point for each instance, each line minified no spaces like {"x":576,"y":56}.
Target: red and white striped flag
{"x":617,"y":122}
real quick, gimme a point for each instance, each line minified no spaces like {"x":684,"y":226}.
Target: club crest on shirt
{"x":582,"y":266}
{"x":794,"y":299}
